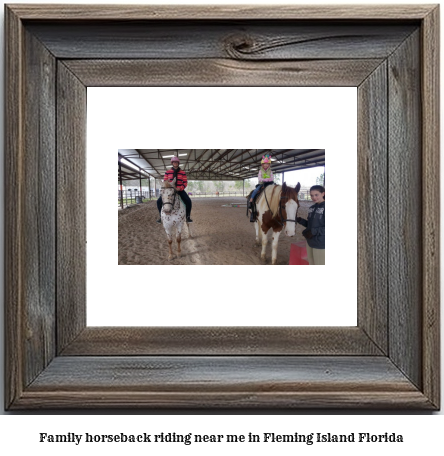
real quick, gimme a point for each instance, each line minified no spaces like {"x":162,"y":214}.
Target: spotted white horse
{"x":172,"y":215}
{"x":277,"y":209}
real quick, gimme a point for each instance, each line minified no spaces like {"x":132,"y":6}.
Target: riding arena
{"x":221,"y":232}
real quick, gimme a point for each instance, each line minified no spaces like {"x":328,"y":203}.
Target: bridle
{"x":282,"y":220}
{"x":174,"y":200}
{"x":280,"y":212}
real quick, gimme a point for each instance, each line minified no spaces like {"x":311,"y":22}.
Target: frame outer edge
{"x":431,"y":201}
{"x":220,"y":12}
{"x":13,"y":207}
{"x":405,"y":221}
{"x":39,"y":230}
{"x":232,"y":381}
{"x":14,"y":175}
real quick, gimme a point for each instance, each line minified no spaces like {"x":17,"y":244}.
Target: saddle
{"x":261,"y":190}
{"x":256,"y":198}
{"x":181,"y":200}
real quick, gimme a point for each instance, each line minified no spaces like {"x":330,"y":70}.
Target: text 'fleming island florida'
{"x":189,"y":438}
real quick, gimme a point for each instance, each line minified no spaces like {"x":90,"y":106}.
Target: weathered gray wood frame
{"x":390,"y":360}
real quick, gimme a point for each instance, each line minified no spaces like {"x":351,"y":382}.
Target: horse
{"x":277,"y":209}
{"x":172,"y":215}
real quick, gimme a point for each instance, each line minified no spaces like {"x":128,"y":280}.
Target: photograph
{"x":221,"y":206}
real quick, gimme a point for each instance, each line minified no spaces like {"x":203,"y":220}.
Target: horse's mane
{"x":290,"y":192}
{"x":167,"y":184}
{"x":275,"y":192}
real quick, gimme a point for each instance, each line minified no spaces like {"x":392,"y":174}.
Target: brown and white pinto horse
{"x":277,"y":209}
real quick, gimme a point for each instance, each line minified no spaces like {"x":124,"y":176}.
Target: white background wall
{"x":20,"y":433}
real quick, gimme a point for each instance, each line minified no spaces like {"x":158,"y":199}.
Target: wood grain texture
{"x":220,"y":12}
{"x":209,"y":373}
{"x":372,"y":207}
{"x":127,"y":341}
{"x":13,"y":208}
{"x":430,"y":94}
{"x":234,"y":382}
{"x":39,"y":207}
{"x":235,"y":40}
{"x":221,"y":72}
{"x":405,"y":209}
{"x":71,"y":206}
{"x":408,"y":377}
{"x":225,"y":400}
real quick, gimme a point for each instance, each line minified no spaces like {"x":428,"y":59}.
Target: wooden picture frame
{"x":390,"y":360}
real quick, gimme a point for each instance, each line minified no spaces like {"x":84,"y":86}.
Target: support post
{"x":121,"y":184}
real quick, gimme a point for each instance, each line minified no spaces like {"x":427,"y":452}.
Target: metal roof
{"x":216,"y":164}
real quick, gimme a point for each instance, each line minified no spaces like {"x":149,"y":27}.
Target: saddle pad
{"x":181,"y":200}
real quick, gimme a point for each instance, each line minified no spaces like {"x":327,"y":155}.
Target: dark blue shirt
{"x":316,"y":224}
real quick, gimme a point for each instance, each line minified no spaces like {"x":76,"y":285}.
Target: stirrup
{"x":159,"y":220}
{"x":189,"y":220}
{"x":253,"y":216}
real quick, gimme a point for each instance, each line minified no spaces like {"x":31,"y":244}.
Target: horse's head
{"x":168,"y":191}
{"x":290,"y":204}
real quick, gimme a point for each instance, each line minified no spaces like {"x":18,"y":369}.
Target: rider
{"x":265,"y":178}
{"x":181,"y":183}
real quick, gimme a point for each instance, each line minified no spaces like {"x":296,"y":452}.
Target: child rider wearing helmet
{"x":265,"y":178}
{"x":181,"y":184}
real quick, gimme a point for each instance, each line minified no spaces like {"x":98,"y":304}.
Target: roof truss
{"x":218,"y":164}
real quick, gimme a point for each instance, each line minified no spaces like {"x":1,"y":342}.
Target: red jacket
{"x":182,"y":180}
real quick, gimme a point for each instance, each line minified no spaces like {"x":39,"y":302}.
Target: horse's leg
{"x":256,"y":226}
{"x":264,"y":244}
{"x":170,"y":254}
{"x":275,"y":247}
{"x":179,"y":251}
{"x":189,"y":230}
{"x":170,"y":242}
{"x":179,"y":239}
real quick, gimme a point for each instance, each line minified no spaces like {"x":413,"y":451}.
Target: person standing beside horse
{"x":265,"y":177}
{"x":315,"y":227}
{"x":181,"y":183}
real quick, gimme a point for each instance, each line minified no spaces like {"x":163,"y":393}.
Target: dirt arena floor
{"x":220,"y":235}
